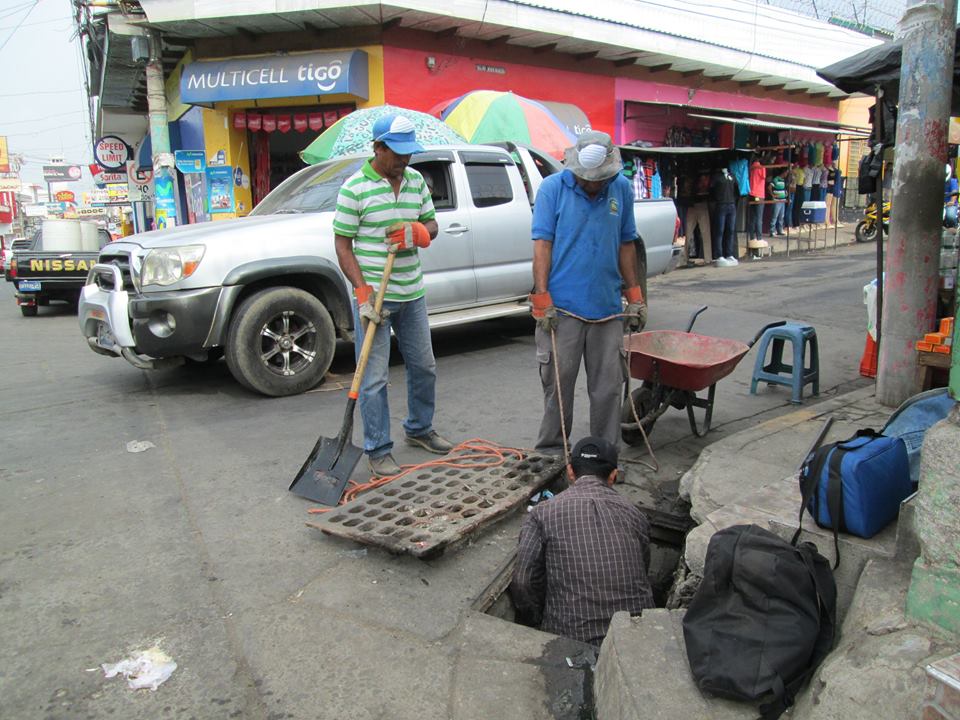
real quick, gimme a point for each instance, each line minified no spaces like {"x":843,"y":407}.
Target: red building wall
{"x":410,"y":83}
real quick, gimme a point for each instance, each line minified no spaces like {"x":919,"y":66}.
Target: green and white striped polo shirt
{"x":366,"y":207}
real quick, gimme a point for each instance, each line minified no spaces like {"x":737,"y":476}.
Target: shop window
{"x":489,"y":184}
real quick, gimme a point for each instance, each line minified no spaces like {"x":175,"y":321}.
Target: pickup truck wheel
{"x":29,"y":310}
{"x":281,"y":342}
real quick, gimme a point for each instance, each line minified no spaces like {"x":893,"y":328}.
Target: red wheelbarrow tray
{"x":686,"y":361}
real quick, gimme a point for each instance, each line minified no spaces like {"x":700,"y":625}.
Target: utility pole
{"x":913,"y":254}
{"x":165,"y":205}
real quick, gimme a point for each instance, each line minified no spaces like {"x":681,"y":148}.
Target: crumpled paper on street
{"x":138,"y":446}
{"x":148,"y":669}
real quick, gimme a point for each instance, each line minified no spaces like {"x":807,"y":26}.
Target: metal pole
{"x":165,"y":206}
{"x":878,"y":117}
{"x":926,"y":82}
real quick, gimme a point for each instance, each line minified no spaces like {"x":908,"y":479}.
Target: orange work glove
{"x":543,"y":311}
{"x":636,"y":309}
{"x":365,"y":306}
{"x":420,"y":236}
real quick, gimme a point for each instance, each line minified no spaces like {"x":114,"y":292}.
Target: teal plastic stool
{"x":777,"y":372}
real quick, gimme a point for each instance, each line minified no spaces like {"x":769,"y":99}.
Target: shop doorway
{"x":277,"y":136}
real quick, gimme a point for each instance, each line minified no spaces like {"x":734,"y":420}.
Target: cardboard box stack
{"x":938,"y":342}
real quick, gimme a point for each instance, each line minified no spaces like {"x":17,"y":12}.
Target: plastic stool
{"x":776,"y":372}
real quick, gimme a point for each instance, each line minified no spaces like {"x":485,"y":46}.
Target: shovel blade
{"x":324,"y":476}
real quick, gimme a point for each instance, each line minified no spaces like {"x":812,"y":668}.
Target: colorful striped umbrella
{"x":490,"y":116}
{"x":353,"y":133}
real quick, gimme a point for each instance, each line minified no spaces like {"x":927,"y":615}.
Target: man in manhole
{"x":583,"y":555}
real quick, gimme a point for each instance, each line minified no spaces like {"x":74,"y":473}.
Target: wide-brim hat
{"x":594,"y":157}
{"x":398,"y":133}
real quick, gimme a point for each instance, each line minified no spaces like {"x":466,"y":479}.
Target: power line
{"x":41,"y":92}
{"x":4,"y":123}
{"x":14,"y":31}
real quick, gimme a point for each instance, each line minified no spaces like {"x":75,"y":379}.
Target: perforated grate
{"x":424,"y":512}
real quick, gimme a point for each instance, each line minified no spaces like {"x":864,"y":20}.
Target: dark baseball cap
{"x":596,"y":450}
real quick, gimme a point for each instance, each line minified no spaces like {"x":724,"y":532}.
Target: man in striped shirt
{"x":375,"y":205}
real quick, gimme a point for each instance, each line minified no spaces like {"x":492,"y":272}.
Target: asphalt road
{"x":195,"y":544}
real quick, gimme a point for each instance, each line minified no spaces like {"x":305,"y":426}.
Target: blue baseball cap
{"x":397,"y":133}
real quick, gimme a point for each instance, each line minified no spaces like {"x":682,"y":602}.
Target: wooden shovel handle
{"x":371,"y":332}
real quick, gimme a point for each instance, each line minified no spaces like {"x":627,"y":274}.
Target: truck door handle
{"x":456,"y":229}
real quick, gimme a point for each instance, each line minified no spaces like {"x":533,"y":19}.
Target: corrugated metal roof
{"x":744,"y":25}
{"x":745,"y":39}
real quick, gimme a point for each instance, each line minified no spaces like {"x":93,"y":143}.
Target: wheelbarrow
{"x":674,"y":366}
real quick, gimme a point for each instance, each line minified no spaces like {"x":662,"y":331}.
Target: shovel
{"x":327,"y":470}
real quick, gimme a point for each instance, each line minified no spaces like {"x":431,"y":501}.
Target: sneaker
{"x":431,"y":442}
{"x":732,"y":261}
{"x":384,"y":466}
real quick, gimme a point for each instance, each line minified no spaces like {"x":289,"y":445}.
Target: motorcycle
{"x":866,"y":230}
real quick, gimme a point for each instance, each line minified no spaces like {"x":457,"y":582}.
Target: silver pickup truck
{"x":266,"y":290}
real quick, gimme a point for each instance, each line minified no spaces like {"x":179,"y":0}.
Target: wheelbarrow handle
{"x":693,"y":317}
{"x":763,"y":330}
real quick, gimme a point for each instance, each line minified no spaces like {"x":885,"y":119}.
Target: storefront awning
{"x":275,"y":76}
{"x":753,"y":122}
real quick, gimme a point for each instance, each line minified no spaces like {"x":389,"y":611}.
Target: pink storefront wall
{"x":643,"y":91}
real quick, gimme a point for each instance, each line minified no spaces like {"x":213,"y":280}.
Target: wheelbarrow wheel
{"x":642,"y":399}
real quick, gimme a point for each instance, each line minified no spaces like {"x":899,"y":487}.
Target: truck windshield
{"x":311,"y":190}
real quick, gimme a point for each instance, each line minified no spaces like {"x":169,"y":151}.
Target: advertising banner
{"x":61,"y":173}
{"x":4,"y":155}
{"x":8,"y":207}
{"x":105,"y":178}
{"x":220,"y":189}
{"x":190,"y":161}
{"x":275,"y":76}
{"x":9,"y":184}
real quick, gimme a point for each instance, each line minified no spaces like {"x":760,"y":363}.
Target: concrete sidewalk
{"x":750,"y":477}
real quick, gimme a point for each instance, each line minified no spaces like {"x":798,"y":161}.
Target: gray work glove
{"x":365,"y":307}
{"x":543,"y":311}
{"x":636,"y":316}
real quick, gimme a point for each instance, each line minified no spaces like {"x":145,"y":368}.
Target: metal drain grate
{"x":427,"y":510}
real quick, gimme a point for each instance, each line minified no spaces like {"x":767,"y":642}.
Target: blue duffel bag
{"x":855,"y":485}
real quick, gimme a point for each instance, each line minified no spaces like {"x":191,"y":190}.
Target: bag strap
{"x":835,"y":499}
{"x":808,"y":485}
{"x":783,"y":695}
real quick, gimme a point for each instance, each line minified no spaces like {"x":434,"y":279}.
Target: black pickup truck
{"x":40,"y":277}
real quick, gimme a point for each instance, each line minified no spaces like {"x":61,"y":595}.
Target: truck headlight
{"x":165,"y":266}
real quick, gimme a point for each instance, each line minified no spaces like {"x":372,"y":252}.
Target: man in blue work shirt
{"x":584,"y":257}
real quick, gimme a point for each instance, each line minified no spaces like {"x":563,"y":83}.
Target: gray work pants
{"x":600,"y":347}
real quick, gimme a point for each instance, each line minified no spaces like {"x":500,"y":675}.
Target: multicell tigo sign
{"x":275,"y":76}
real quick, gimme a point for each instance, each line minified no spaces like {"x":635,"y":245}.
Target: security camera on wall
{"x":140,"y":49}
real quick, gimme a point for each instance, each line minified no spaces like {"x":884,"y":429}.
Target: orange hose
{"x":469,"y":455}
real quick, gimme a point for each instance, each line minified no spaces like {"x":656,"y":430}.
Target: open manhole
{"x":668,"y":529}
{"x":427,"y":510}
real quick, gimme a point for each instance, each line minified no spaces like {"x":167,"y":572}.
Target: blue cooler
{"x":813,"y":211}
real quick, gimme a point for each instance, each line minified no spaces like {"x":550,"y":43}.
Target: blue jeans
{"x":722,"y":232}
{"x":409,"y":322}
{"x":776,"y":218}
{"x":755,"y":229}
{"x":803,"y":194}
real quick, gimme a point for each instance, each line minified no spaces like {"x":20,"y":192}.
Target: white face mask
{"x":592,"y":156}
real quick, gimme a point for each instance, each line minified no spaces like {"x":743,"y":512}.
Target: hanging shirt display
{"x":740,"y":169}
{"x":758,"y":180}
